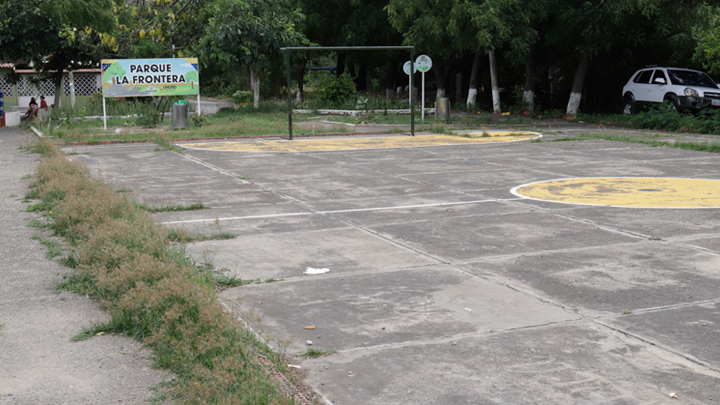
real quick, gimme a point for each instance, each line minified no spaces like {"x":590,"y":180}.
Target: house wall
{"x":86,"y":84}
{"x":9,"y":91}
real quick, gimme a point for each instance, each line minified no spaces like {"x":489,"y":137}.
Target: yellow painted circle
{"x":379,"y":142}
{"x":637,"y":192}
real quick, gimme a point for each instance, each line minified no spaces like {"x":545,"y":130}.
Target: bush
{"x":337,"y":89}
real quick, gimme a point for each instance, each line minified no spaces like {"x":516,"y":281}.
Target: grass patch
{"x":152,"y":290}
{"x":54,"y":248}
{"x":167,"y":208}
{"x":313,"y":353}
{"x":225,"y":124}
{"x":711,"y":147}
{"x":183,"y":236}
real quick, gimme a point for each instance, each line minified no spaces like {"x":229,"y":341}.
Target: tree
{"x":44,"y":32}
{"x":430,"y":27}
{"x":249,"y":33}
{"x":707,"y":35}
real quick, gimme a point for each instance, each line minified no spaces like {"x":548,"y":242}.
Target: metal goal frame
{"x":288,"y":51}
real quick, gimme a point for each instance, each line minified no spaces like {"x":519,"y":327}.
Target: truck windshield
{"x":690,"y":78}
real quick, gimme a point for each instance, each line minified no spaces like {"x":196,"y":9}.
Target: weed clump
{"x":151,"y":289}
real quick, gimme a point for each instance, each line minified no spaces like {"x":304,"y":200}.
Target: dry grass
{"x":151,"y":289}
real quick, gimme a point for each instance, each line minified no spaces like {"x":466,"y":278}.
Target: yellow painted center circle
{"x":637,"y":192}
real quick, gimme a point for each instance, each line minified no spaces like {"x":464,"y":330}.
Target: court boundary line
{"x":516,"y":193}
{"x":296,"y":214}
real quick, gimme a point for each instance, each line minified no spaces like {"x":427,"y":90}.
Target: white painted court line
{"x":295,"y":214}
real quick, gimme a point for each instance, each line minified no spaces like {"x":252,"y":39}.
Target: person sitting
{"x":33,"y":110}
{"x":43,"y":103}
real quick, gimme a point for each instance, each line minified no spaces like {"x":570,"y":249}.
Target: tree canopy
{"x":548,"y":48}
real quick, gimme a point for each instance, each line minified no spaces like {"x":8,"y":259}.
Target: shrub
{"x":337,"y":89}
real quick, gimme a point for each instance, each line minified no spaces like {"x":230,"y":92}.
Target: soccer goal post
{"x":289,"y":50}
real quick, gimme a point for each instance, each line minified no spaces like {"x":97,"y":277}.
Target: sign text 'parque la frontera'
{"x":150,"y":77}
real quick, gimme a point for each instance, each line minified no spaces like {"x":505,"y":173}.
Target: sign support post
{"x":104,"y":114}
{"x":410,"y":68}
{"x":423,"y":63}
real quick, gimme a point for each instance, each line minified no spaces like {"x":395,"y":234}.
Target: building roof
{"x":8,"y":65}
{"x":86,"y":70}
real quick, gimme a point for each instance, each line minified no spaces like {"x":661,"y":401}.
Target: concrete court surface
{"x":437,"y":285}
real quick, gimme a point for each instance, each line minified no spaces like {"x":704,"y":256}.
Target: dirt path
{"x":38,"y":362}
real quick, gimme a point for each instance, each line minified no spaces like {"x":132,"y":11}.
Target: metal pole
{"x":289,"y":83}
{"x":423,"y":98}
{"x":412,"y":69}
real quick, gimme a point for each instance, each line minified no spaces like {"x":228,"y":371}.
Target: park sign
{"x":423,"y":63}
{"x":150,"y":77}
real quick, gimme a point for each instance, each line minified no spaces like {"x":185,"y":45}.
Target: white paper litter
{"x":312,"y":271}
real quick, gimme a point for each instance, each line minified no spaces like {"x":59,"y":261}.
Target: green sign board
{"x":150,"y":77}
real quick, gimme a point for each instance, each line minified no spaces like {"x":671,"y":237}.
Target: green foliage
{"x":199,"y":120}
{"x":707,"y":35}
{"x":242,"y":96}
{"x":313,"y":353}
{"x":337,"y":89}
{"x":706,"y":121}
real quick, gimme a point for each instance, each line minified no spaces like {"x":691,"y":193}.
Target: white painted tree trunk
{"x":299,"y":97}
{"x":255,"y":84}
{"x":58,"y":91}
{"x":576,"y":93}
{"x":389,"y":93}
{"x":72,"y":89}
{"x":472,"y":96}
{"x":440,"y":93}
{"x":473,"y":88}
{"x":529,"y":100}
{"x":494,"y":82}
{"x":573,"y":104}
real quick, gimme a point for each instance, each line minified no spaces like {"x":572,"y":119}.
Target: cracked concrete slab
{"x":614,"y":278}
{"x":506,"y":301}
{"x":423,"y":303}
{"x":560,"y":364}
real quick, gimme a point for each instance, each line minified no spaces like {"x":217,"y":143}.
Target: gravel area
{"x":39,"y":364}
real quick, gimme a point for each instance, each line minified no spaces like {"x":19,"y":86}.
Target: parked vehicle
{"x":684,"y":89}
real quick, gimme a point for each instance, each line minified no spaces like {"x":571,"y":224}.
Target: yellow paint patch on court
{"x":637,"y":192}
{"x":380,"y":142}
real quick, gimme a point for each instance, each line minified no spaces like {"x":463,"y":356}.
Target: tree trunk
{"x":255,"y":83}
{"x":441,"y":84}
{"x":301,"y":82}
{"x":340,"y":64}
{"x":72,"y":89}
{"x":529,"y":90}
{"x":458,"y":87}
{"x":390,"y":75}
{"x":361,"y":79}
{"x":164,"y":107}
{"x":578,"y":82}
{"x":473,"y":88}
{"x":494,"y":82}
{"x":58,"y":88}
